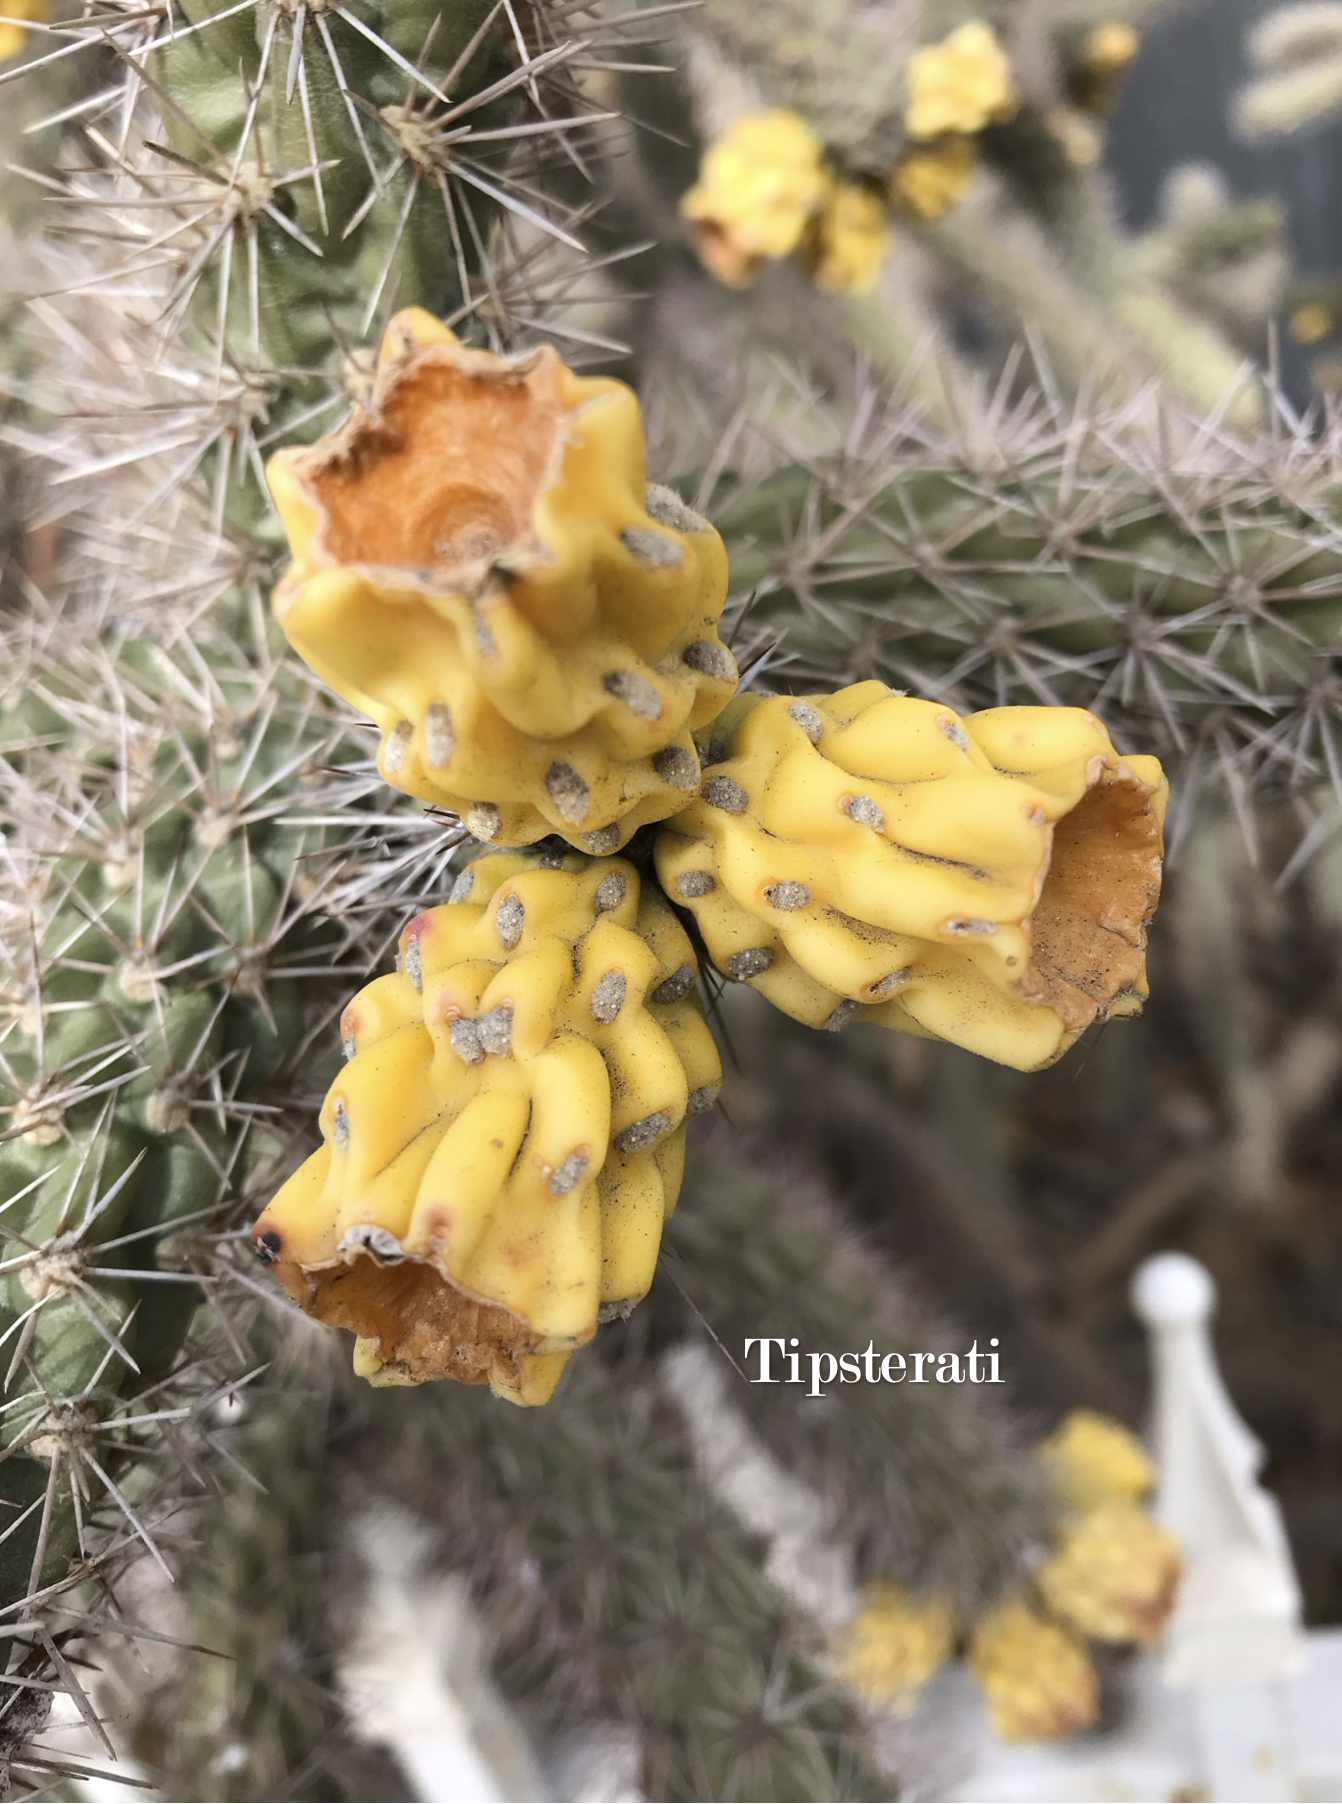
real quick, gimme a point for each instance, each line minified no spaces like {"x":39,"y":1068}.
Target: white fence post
{"x":1235,"y":1636}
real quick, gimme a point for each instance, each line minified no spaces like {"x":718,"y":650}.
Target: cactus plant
{"x":167,"y":791}
{"x":221,"y":865}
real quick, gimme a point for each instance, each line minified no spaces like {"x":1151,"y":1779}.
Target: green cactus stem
{"x":1182,"y":580}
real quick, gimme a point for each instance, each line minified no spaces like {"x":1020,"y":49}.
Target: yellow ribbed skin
{"x":508,"y":1136}
{"x":1038,"y":1678}
{"x":983,"y":880}
{"x":892,"y":1647}
{"x":1113,"y":1575}
{"x":480,"y":565}
{"x":1093,"y":1459}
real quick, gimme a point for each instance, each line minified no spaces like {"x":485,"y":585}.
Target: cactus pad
{"x":508,"y":1136}
{"x":480,"y":566}
{"x":983,"y":880}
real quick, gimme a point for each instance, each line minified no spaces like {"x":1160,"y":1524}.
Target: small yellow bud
{"x":1093,"y":1459}
{"x":893,"y":1646}
{"x":1113,"y":1576}
{"x":1038,"y":1678}
{"x":929,"y":180}
{"x":1311,"y":323}
{"x":1111,"y":49}
{"x":850,"y":241}
{"x":760,"y":185}
{"x":961,"y":84}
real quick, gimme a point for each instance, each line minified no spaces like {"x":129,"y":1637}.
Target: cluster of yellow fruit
{"x":1111,"y":1577}
{"x":767,"y":188}
{"x":480,"y":565}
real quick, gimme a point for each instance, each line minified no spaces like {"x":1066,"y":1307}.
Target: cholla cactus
{"x":208,"y":864}
{"x":172,"y":918}
{"x":984,"y":136}
{"x":401,"y":527}
{"x":1182,"y":586}
{"x":1109,"y":1577}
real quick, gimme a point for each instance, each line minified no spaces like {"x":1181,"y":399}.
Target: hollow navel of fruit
{"x":984,"y":880}
{"x":508,"y":1135}
{"x":480,"y":565}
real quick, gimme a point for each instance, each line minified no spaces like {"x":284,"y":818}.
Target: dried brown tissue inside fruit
{"x":1101,"y":887}
{"x":422,"y":1323}
{"x":447,"y":471}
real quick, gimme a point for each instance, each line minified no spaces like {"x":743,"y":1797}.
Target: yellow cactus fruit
{"x":13,"y":35}
{"x":984,"y":880}
{"x":1113,"y":1574}
{"x":959,"y":85}
{"x":1100,"y":61}
{"x":1038,"y":1679}
{"x":1093,"y":1459}
{"x":1110,"y":49}
{"x":760,"y":185}
{"x":850,"y":240}
{"x":930,"y":179}
{"x":892,"y":1647}
{"x":480,"y":566}
{"x":508,"y":1135}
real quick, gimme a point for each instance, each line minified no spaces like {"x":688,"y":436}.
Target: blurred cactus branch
{"x":1033,"y":245}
